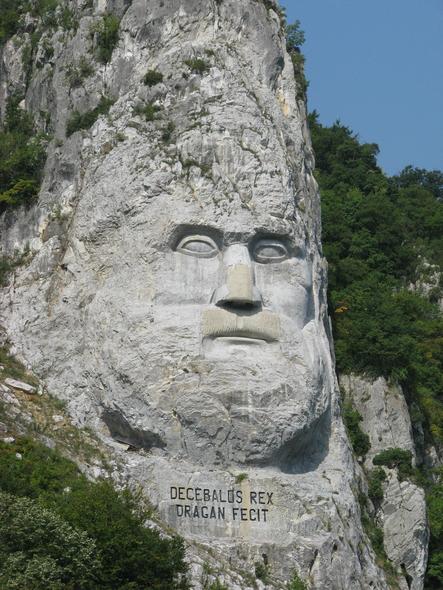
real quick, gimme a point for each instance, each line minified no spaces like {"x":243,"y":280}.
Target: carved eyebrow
{"x":191,"y":229}
{"x":294,"y":249}
{"x":264,"y":235}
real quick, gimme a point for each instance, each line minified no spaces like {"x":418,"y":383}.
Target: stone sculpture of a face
{"x":213,"y":341}
{"x":188,"y":298}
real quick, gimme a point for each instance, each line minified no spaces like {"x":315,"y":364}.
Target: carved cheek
{"x":285,"y":288}
{"x":185,"y":280}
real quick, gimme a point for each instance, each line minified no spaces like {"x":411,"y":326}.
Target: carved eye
{"x":199,"y":246}
{"x":267,"y":251}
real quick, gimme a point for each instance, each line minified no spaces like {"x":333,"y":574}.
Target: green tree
{"x":295,"y":37}
{"x":132,"y":556}
{"x":431,"y":180}
{"x":40,"y":551}
{"x":22,"y":157}
{"x":131,"y":553}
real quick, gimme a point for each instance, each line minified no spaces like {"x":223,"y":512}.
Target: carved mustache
{"x":263,"y":325}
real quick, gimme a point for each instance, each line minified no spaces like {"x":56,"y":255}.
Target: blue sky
{"x":378,"y":67}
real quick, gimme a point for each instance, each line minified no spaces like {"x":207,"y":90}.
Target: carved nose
{"x":238,"y":289}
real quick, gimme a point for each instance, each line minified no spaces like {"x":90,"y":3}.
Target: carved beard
{"x":258,"y":404}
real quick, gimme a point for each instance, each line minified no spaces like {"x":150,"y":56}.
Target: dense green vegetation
{"x":435,"y":514}
{"x":376,"y":477}
{"x":22,"y":157}
{"x":383,"y":238}
{"x":381,"y":235}
{"x":297,"y":583}
{"x":58,"y":530}
{"x":39,"y":550}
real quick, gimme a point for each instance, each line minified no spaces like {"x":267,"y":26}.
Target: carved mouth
{"x":222,"y":323}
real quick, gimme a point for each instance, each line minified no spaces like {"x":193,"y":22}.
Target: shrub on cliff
{"x":107,"y":35}
{"x":78,"y":121}
{"x":395,"y":458}
{"x":22,"y":157}
{"x":13,"y":11}
{"x":376,"y":477}
{"x":359,"y":439}
{"x":295,"y":36}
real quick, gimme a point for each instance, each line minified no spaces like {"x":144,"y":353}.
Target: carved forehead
{"x":239,"y":226}
{"x":170,"y":193}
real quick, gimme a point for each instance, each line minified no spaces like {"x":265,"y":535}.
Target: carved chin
{"x":280,"y":436}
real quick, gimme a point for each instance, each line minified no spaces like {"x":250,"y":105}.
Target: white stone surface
{"x":21,"y":385}
{"x":403,"y":511}
{"x":384,"y":411}
{"x":406,"y":535}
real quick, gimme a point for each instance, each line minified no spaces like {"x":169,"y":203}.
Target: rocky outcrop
{"x":406,"y":534}
{"x":402,"y":513}
{"x":384,"y":411}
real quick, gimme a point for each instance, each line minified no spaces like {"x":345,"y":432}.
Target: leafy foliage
{"x":395,"y":458}
{"x":79,"y":121}
{"x":359,"y":440}
{"x":295,"y":37}
{"x":148,"y":111}
{"x":9,"y":19}
{"x":375,"y":485}
{"x":152,"y":77}
{"x":22,"y":157}
{"x":12,"y":14}
{"x":129,"y":555}
{"x":380,"y":235}
{"x":107,"y":35}
{"x":431,"y":180}
{"x":376,"y":230}
{"x":297,"y":583}
{"x":39,"y":550}
{"x":434,"y":499}
{"x":261,"y":571}
{"x":198,"y":65}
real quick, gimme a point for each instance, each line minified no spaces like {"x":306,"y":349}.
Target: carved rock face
{"x":182,"y":304}
{"x":210,"y":328}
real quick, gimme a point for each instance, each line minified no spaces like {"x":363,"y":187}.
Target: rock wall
{"x":402,"y":513}
{"x":176,"y":293}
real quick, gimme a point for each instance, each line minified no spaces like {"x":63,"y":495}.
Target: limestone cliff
{"x":175,"y":292}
